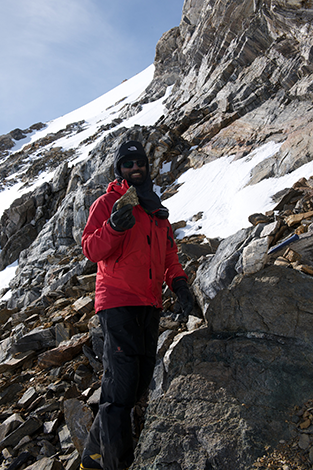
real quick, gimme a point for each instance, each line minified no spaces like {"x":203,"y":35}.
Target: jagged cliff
{"x":235,"y":381}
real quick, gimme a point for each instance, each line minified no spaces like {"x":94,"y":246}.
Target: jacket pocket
{"x":112,"y":262}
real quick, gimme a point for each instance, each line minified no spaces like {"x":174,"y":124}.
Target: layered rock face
{"x":245,"y":76}
{"x":235,"y":381}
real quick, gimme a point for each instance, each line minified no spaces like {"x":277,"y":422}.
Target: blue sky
{"x":57,"y":55}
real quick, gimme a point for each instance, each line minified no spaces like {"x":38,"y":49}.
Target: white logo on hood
{"x":132,"y":149}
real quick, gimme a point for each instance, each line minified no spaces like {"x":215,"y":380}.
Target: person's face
{"x":134,"y":171}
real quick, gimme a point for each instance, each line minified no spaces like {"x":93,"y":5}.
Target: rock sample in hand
{"x":130,"y":197}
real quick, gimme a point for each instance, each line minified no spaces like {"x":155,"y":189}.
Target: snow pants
{"x":129,"y":354}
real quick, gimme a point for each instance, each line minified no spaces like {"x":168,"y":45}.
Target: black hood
{"x":130,"y":150}
{"x":149,"y":200}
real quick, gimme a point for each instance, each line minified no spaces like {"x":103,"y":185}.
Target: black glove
{"x":185,"y":298}
{"x":122,"y":219}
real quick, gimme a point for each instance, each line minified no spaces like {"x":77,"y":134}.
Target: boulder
{"x":79,"y":418}
{"x":275,"y":301}
{"x":225,"y":400}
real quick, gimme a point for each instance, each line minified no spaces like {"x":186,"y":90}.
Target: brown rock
{"x":281,"y":261}
{"x":256,"y":219}
{"x":305,"y":269}
{"x":295,"y":219}
{"x":130,"y":197}
{"x":177,"y":225}
{"x":5,"y":314}
{"x":292,"y":255}
{"x":63,"y":353}
{"x":83,"y":305}
{"x":305,"y":424}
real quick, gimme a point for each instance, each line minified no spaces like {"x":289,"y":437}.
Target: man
{"x":136,"y":253}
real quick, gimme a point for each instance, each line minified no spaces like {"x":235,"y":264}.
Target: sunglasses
{"x":131,"y":163}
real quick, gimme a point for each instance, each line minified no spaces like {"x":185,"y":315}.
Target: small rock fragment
{"x":130,"y":197}
{"x":304,"y":441}
{"x":256,"y":219}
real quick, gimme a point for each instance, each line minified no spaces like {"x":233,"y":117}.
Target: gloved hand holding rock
{"x":122,"y":219}
{"x":185,"y":298}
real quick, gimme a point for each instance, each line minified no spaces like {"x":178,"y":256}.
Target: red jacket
{"x":133,"y":264}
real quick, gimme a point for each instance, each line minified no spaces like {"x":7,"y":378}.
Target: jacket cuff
{"x":112,"y":230}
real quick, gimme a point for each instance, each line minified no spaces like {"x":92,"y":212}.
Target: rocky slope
{"x":233,"y":386}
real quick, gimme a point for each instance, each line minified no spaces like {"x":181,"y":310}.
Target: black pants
{"x":129,"y":351}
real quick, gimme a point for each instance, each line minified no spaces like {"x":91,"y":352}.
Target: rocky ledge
{"x":232,"y":384}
